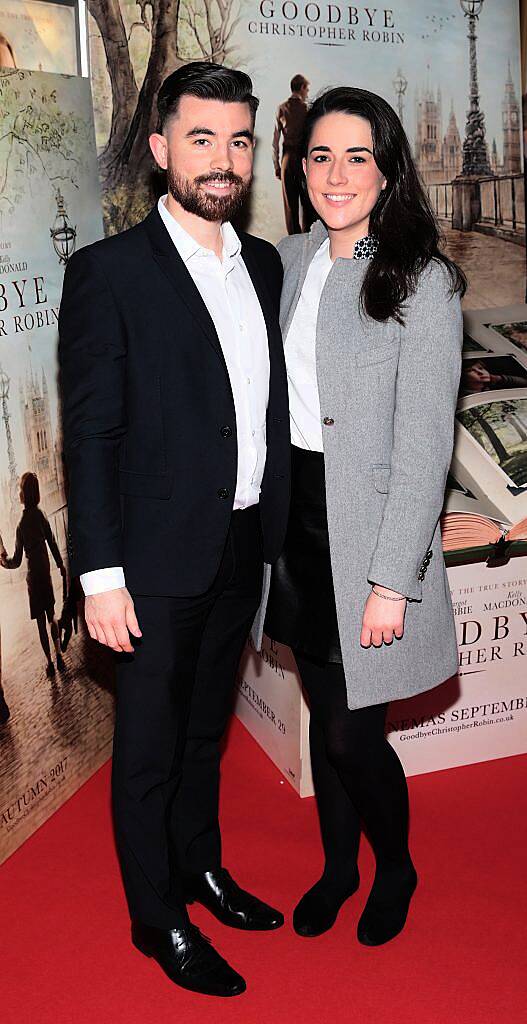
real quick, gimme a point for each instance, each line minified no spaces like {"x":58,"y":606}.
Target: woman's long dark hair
{"x":402,"y":218}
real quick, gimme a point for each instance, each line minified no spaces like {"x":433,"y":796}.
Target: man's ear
{"x":159,"y":146}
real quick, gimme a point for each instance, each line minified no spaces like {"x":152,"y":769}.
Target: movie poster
{"x":38,"y":36}
{"x":55,"y":692}
{"x":416,"y":55}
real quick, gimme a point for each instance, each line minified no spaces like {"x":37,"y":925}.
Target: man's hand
{"x":382,"y":619}
{"x":110,"y":617}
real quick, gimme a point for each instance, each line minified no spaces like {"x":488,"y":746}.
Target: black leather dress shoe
{"x":188,"y":959}
{"x":220,"y":894}
{"x":318,"y":909}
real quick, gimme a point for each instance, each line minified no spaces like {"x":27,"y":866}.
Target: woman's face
{"x":343,"y":180}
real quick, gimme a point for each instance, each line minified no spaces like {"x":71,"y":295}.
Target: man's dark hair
{"x":206,"y":81}
{"x":298,"y":82}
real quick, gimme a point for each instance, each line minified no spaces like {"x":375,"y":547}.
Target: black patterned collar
{"x":365,"y":247}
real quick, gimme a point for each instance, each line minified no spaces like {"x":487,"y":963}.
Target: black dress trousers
{"x":174,"y":697}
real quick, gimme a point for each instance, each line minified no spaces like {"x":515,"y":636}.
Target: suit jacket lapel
{"x":264,"y":298}
{"x":168,"y":259}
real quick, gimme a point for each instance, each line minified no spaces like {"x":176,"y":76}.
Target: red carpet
{"x":66,"y":958}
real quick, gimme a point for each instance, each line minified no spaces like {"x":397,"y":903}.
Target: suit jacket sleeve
{"x":426,"y":396}
{"x":92,"y":354}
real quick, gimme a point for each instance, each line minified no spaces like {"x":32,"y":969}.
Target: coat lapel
{"x":311,"y":244}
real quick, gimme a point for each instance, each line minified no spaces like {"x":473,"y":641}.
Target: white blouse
{"x":300,"y":356}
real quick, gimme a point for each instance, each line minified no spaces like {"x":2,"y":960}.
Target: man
{"x":289,"y":124}
{"x":177,"y":441}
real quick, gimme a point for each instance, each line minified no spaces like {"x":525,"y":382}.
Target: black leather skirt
{"x":301,"y":609}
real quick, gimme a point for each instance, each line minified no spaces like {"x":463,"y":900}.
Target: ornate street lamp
{"x":475,"y":156}
{"x":63,"y":235}
{"x":400,"y":84}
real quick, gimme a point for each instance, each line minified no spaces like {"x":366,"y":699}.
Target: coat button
{"x":328,"y":421}
{"x":226,"y":431}
{"x":223,"y":492}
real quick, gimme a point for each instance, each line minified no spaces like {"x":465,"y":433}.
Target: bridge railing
{"x":502,"y":200}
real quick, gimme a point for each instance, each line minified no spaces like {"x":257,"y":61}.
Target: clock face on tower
{"x":514,"y":117}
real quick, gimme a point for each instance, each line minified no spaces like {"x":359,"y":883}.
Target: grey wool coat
{"x":387,"y":399}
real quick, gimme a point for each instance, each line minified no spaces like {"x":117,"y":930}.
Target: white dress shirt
{"x":300,"y":356}
{"x":228,"y":293}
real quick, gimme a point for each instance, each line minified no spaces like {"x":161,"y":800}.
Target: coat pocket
{"x":377,"y":354}
{"x":381,"y":478}
{"x":145,"y":485}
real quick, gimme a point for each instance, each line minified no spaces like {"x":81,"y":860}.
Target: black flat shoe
{"x":318,"y":909}
{"x":220,"y":894}
{"x":385,"y":913}
{"x":188,"y":959}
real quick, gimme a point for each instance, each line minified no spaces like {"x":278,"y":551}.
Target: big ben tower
{"x":510,"y":112}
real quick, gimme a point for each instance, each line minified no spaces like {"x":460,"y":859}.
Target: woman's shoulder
{"x":290,"y":247}
{"x":436,"y":283}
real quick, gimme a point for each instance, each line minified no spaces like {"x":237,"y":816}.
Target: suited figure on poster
{"x":289,"y":126}
{"x":177,"y":444}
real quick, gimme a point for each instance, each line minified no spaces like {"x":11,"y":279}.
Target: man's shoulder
{"x":259,"y":246}
{"x":113,"y":249}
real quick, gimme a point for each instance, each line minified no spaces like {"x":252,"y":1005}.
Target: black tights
{"x":357,"y":777}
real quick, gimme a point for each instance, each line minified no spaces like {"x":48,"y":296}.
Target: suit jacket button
{"x":226,"y":431}
{"x":328,"y":421}
{"x":223,"y":492}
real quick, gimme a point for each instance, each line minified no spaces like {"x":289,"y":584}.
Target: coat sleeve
{"x":92,"y":355}
{"x":425,"y":403}
{"x":51,"y":542}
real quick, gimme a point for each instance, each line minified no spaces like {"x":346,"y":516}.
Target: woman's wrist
{"x":387,"y":593}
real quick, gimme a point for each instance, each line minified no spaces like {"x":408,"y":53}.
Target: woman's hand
{"x":382,"y":619}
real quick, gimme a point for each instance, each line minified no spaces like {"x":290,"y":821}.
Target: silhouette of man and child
{"x":33,"y":538}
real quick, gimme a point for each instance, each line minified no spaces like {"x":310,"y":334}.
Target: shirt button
{"x":226,"y":431}
{"x":328,"y":421}
{"x":223,"y":492}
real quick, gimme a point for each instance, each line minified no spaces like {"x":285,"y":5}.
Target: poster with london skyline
{"x":451,"y":69}
{"x":56,"y":704}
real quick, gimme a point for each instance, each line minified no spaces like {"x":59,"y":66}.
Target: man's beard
{"x":194,"y":200}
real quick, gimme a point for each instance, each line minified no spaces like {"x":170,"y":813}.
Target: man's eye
{"x":202,"y":142}
{"x":240,"y":143}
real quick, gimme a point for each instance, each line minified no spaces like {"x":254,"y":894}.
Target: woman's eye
{"x":320,"y":159}
{"x":357,"y":160}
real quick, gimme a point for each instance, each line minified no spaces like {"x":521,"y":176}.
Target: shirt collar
{"x":187,"y":246}
{"x":364,"y":248}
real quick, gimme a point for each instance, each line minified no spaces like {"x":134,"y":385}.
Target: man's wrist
{"x":100,"y":581}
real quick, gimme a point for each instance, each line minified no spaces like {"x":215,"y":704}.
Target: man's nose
{"x":222,"y":158}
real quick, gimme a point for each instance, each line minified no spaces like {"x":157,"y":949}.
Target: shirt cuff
{"x":99,"y":581}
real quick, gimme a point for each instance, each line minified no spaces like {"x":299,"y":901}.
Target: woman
{"x":33,"y":538}
{"x":373,"y":336}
